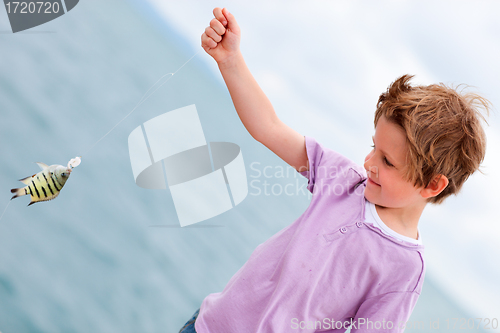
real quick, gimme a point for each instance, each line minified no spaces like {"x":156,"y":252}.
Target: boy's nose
{"x":374,"y":170}
{"x":366,"y":164}
{"x":370,"y":168}
{"x":370,"y":154}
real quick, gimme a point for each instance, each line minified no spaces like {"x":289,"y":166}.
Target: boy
{"x":355,"y":256}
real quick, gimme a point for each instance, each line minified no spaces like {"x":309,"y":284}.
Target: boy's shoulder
{"x":325,"y":162}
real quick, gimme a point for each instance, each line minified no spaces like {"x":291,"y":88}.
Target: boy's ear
{"x":436,"y":186}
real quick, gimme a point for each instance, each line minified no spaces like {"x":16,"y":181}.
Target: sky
{"x":323,"y":65}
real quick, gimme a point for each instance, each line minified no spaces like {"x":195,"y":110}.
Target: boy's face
{"x":385,"y":164}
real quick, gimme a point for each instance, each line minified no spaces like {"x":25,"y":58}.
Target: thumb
{"x":231,"y":21}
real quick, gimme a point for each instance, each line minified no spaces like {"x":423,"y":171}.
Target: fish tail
{"x":18,"y":192}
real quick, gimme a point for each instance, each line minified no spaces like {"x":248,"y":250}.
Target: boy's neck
{"x":404,"y":221}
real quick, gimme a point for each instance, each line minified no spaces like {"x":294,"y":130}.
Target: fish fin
{"x":17,"y":192}
{"x":35,"y":200}
{"x":42,"y":166}
{"x":27,"y":180}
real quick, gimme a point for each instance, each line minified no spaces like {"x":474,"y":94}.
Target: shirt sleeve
{"x":326,"y":163}
{"x":385,"y":313}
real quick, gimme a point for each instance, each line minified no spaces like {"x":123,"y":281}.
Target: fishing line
{"x":5,"y":210}
{"x":143,"y":99}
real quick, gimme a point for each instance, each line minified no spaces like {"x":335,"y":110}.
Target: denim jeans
{"x":189,"y":326}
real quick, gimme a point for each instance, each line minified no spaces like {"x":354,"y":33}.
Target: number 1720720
{"x":31,"y":7}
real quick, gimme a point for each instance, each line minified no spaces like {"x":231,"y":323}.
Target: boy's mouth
{"x":371,"y":181}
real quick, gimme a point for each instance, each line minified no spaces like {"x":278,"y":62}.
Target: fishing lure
{"x":48,"y":183}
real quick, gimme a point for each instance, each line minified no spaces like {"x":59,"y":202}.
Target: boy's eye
{"x":385,"y":159}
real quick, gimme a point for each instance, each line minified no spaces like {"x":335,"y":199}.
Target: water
{"x":104,"y":256}
{"x":92,"y":260}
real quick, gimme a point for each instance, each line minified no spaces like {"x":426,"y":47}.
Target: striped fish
{"x":44,"y":185}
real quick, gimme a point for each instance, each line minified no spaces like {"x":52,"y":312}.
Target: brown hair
{"x":443,"y":131}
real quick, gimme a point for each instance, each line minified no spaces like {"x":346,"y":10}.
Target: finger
{"x":206,"y":48}
{"x":219,"y":16}
{"x":207,"y":41}
{"x":217,"y":26}
{"x":212,"y":34}
{"x":232,"y":24}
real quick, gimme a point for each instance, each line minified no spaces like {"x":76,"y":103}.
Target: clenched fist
{"x":221,"y":39}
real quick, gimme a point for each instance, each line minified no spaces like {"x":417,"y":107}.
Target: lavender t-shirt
{"x":326,"y":270}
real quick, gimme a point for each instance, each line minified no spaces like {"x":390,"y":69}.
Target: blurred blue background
{"x":106,"y":255}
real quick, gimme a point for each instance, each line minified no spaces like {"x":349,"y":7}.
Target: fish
{"x":46,"y":184}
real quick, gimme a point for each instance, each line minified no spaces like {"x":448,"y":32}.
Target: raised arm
{"x":221,"y":41}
